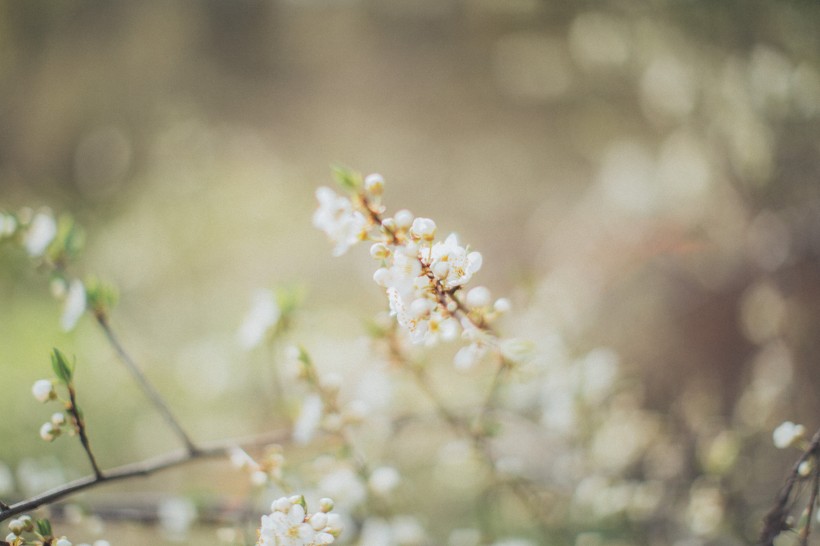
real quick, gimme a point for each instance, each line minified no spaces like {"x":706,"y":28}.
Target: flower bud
{"x":62,"y":541}
{"x":403,"y":219}
{"x":478,"y":297}
{"x":423,"y":228}
{"x":282,"y":504}
{"x":318,"y":521}
{"x":335,"y":525}
{"x":48,"y":432}
{"x":58,"y":419}
{"x":502,"y":305}
{"x":16,"y":527}
{"x":374,"y":184}
{"x":379,"y":251}
{"x":326,"y":504}
{"x":382,"y":277}
{"x":43,"y":390}
{"x":28,"y":523}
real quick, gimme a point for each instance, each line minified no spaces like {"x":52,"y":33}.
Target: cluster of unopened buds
{"x":289,"y":524}
{"x":43,"y":390}
{"x":25,"y":531}
{"x":424,"y":278}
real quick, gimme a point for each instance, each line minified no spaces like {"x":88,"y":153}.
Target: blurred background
{"x":641,"y":179}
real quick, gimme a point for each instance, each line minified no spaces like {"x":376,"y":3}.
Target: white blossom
{"x":40,"y":233}
{"x":48,"y":432}
{"x":308,"y":420}
{"x":43,"y":390}
{"x":452,"y":264}
{"x":788,"y":434}
{"x":336,"y":217}
{"x":383,"y":480}
{"x":262,"y":317}
{"x":74,"y":306}
{"x":62,"y":541}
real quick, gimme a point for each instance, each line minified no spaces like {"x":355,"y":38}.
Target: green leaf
{"x":44,"y":527}
{"x":348,"y":179}
{"x":62,"y":368}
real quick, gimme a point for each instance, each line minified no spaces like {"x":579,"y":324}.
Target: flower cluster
{"x":424,"y":277}
{"x":24,"y":531}
{"x":43,"y":390}
{"x":289,"y":524}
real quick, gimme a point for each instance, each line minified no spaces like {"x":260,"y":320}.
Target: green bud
{"x":101,"y":296}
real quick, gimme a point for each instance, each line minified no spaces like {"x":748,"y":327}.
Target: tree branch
{"x":80,"y":424}
{"x":775,"y":521}
{"x":146,"y":386}
{"x":142,"y":469}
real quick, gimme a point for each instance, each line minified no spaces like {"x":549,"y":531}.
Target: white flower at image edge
{"x":788,"y":434}
{"x":263,"y":315}
{"x":40,"y":233}
{"x":336,"y":217}
{"x":74,"y":306}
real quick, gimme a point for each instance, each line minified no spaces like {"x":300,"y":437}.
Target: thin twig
{"x":775,"y":521}
{"x":147,"y":388}
{"x":80,"y":423}
{"x":804,"y":537}
{"x":141,"y":469}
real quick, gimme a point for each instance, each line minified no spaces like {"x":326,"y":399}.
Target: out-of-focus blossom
{"x":40,"y":233}
{"x":262,"y":317}
{"x":337,"y":218}
{"x":788,"y":434}
{"x":74,"y":306}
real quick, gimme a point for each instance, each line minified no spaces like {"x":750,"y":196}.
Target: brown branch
{"x":775,"y":521}
{"x":79,"y":422}
{"x":147,"y":387}
{"x":804,"y":536}
{"x":142,"y":469}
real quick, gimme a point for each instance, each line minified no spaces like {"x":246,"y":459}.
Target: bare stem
{"x":804,"y":535}
{"x":141,"y":469}
{"x":80,"y":423}
{"x":775,"y":521}
{"x":147,"y":388}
